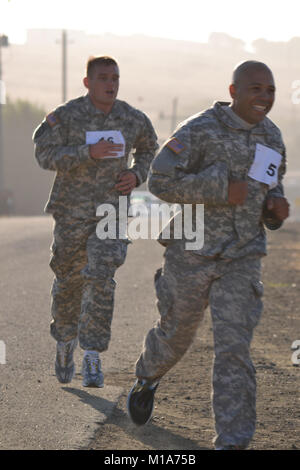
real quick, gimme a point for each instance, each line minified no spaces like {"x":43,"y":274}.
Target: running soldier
{"x":87,"y":142}
{"x":231,"y":158}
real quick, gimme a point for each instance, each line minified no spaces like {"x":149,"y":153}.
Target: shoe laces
{"x":93,"y":363}
{"x":65,"y":351}
{"x":145,"y":391}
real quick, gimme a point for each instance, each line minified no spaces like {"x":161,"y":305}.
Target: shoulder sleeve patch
{"x":175,"y":145}
{"x":52,"y":119}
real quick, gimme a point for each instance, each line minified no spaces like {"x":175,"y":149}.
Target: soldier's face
{"x":103,"y":86}
{"x":254,"y":95}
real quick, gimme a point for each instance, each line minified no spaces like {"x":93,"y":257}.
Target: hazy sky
{"x":177,"y":19}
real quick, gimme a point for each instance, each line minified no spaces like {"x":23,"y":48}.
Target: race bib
{"x":115,"y":137}
{"x":265,"y":166}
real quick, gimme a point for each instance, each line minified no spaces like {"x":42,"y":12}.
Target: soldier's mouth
{"x":261,"y":109}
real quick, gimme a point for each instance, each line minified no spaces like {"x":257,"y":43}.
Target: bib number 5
{"x":271,"y":169}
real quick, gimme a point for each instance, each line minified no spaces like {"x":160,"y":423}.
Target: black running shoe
{"x":140,"y":401}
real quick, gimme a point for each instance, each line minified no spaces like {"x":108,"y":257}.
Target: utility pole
{"x":64,"y":50}
{"x":174,"y":114}
{"x":64,"y":40}
{"x":173,"y":117}
{"x":3,"y":43}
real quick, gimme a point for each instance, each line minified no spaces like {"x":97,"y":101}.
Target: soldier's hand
{"x":237,"y":192}
{"x":104,"y":149}
{"x":279,"y":207}
{"x":126,"y":183}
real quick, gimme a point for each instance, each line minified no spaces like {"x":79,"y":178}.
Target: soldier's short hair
{"x":94,"y":62}
{"x":242,"y":68}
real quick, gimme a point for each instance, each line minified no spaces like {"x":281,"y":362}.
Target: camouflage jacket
{"x":194,"y":167}
{"x":81,"y":183}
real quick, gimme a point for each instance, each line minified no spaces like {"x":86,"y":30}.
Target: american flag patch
{"x":52,"y":120}
{"x":175,"y":145}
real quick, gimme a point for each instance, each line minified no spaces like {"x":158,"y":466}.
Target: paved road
{"x":36,"y":411}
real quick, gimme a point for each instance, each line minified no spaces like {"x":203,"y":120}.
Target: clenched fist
{"x":279,"y":207}
{"x":127,"y":182}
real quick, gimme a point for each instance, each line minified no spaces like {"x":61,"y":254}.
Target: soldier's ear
{"x":232,"y":90}
{"x":86,"y":82}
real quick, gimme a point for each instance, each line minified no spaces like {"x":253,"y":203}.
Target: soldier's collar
{"x":91,"y":109}
{"x":218,"y":107}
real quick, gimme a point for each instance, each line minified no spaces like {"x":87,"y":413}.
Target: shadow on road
{"x":98,"y":403}
{"x":152,"y":435}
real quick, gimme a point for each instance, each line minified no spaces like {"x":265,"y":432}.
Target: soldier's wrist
{"x":84,"y":153}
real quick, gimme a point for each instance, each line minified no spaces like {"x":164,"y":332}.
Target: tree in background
{"x":26,"y":187}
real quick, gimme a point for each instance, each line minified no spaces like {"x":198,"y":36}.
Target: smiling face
{"x":253,"y":94}
{"x":103,"y":86}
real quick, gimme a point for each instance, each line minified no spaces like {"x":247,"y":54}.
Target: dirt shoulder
{"x":182,"y":417}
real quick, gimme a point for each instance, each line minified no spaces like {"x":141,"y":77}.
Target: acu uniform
{"x":84,"y":265}
{"x":194,"y":167}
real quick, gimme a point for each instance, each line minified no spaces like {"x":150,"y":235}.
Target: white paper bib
{"x":265,"y":165}
{"x":115,"y":137}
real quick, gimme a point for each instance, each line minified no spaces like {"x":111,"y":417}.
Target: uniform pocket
{"x":258,"y":290}
{"x":163,"y":293}
{"x":104,"y":257}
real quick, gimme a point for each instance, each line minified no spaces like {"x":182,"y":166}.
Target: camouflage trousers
{"x":185,"y":286}
{"x":83,"y":286}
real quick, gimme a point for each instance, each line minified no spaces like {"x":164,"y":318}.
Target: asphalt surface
{"x":36,"y":411}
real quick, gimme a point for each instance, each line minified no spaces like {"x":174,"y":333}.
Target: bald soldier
{"x":231,"y":158}
{"x":87,"y":142}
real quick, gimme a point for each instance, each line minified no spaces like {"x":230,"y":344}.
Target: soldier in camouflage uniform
{"x":208,"y":161}
{"x":88,"y":174}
